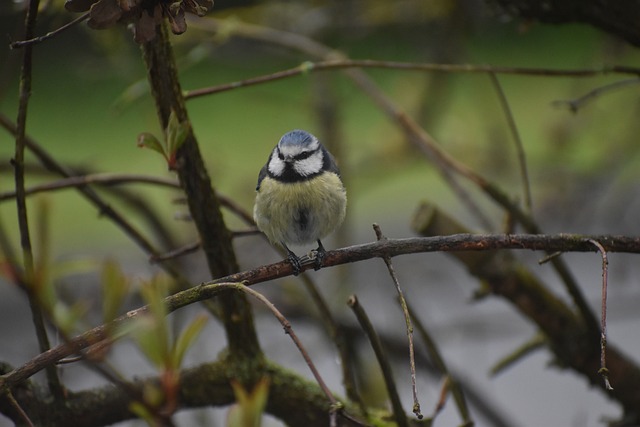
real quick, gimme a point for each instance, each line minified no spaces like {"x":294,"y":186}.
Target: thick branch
{"x":573,"y":343}
{"x":204,"y":385}
{"x":619,"y":17}
{"x":204,"y":206}
{"x":378,"y":249}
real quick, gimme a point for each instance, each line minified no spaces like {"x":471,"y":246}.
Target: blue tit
{"x":300,"y":197}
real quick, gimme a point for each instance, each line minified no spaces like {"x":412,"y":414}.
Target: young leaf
{"x":186,"y":338}
{"x":115,"y":286}
{"x":147,"y":140}
{"x":151,"y":330}
{"x":247,"y":412}
{"x":142,"y":412}
{"x":66,"y":318}
{"x":176,"y":133}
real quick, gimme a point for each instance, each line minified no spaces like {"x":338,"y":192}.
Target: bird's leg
{"x":320,"y":254}
{"x":294,"y":260}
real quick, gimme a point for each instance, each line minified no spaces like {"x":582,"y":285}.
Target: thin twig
{"x":101,"y":178}
{"x":55,"y":387}
{"x":184,"y":250}
{"x":408,"y":325}
{"x":535,"y":343}
{"x":522,"y":161}
{"x":385,"y":366}
{"x":307,"y":67}
{"x":436,"y":358}
{"x":603,"y":319}
{"x":335,"y":405}
{"x":336,"y":332}
{"x":18,"y":408}
{"x":40,"y":39}
{"x":445,"y":388}
{"x":545,"y":259}
{"x":575,"y":104}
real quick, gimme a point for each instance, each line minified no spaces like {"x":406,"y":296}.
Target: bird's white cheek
{"x":310,"y":165}
{"x":276,"y":166}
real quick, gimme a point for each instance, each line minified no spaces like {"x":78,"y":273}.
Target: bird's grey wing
{"x":262,"y":175}
{"x":330,"y":162}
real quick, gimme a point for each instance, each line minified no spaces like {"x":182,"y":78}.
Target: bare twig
{"x":335,"y":405}
{"x":184,"y":250}
{"x":545,"y":259}
{"x":102,"y":178}
{"x":436,"y":357}
{"x":385,"y":366}
{"x":603,"y":319}
{"x":307,"y":67}
{"x":53,"y":380}
{"x":336,"y":332}
{"x":522,"y":161}
{"x":575,"y":104}
{"x":535,"y":343}
{"x":408,"y":325}
{"x":40,"y":39}
{"x":445,"y":388}
{"x":19,"y":409}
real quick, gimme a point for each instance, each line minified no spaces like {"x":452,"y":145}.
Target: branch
{"x":40,"y":39}
{"x":408,"y":324}
{"x":204,"y":205}
{"x":83,"y":180}
{"x":619,"y":18}
{"x":201,"y":386}
{"x":575,"y":104}
{"x":569,"y":336}
{"x":378,"y":249}
{"x":383,"y":361}
{"x":308,"y":67}
{"x":31,"y":288}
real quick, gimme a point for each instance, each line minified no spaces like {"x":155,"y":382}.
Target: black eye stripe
{"x":303,"y":155}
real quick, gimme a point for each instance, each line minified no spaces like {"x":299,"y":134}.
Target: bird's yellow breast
{"x":300,"y":212}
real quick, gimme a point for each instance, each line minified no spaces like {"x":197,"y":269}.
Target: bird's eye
{"x":303,"y":155}
{"x":280,"y":155}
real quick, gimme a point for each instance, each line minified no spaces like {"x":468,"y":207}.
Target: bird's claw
{"x":320,"y":253}
{"x":295,"y":263}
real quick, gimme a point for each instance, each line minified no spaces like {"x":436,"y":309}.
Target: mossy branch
{"x":203,"y":385}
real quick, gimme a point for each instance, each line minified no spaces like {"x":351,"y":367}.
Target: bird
{"x":300,"y":196}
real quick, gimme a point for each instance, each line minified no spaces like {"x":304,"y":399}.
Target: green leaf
{"x":115,"y":286}
{"x":247,"y":412}
{"x":67,"y":318}
{"x":151,"y":330}
{"x":186,"y":338}
{"x":148,"y":140}
{"x":151,"y":339}
{"x":142,"y":412}
{"x":176,"y":132}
